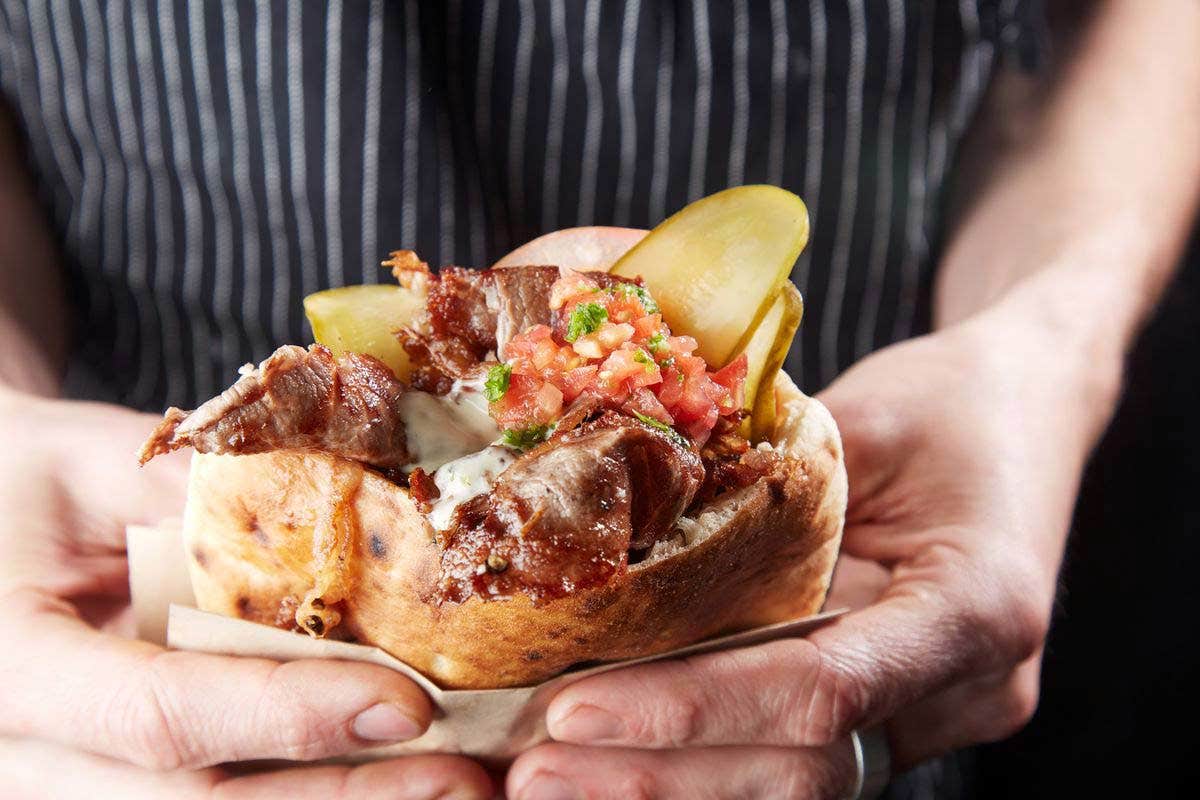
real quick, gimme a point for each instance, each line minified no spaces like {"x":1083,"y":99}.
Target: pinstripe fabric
{"x":208,"y":164}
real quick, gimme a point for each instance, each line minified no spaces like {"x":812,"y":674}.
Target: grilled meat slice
{"x":297,"y":399}
{"x":522,"y":299}
{"x":566,"y":514}
{"x":459,"y":309}
{"x":736,"y":467}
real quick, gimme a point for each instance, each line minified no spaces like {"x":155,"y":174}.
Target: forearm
{"x":32,"y":309}
{"x":1086,"y":216}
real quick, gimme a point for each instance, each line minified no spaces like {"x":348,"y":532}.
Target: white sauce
{"x":464,"y":478}
{"x":446,"y":428}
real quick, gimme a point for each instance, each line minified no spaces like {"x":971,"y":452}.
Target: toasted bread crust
{"x":758,"y":555}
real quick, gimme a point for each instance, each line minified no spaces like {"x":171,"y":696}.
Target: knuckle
{"x":638,"y":783}
{"x":541,"y":759}
{"x":1015,"y":615}
{"x":1019,"y":704}
{"x":677,"y":721}
{"x":544,"y":758}
{"x":635,"y":779}
{"x":303,"y":735}
{"x":830,"y":701}
{"x":679,"y":706}
{"x":1024,"y":617}
{"x":302,"y":732}
{"x":142,"y":721}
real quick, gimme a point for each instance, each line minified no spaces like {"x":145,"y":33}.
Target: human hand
{"x":964,"y":449}
{"x":123,"y":714}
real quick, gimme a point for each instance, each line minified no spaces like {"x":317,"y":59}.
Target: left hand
{"x":964,"y":450}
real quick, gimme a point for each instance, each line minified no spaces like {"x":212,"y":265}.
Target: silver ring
{"x":872,"y":764}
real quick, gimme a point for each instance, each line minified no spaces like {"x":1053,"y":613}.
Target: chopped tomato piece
{"x":733,"y":377}
{"x":576,"y":380}
{"x":528,"y":401}
{"x":682,"y":345}
{"x":624,"y":354}
{"x":571,"y":285}
{"x":643,"y":401}
{"x":645,"y":327}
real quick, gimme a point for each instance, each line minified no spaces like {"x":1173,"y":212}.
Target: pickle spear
{"x":364,"y":319}
{"x":716,"y":266}
{"x":765,"y":353}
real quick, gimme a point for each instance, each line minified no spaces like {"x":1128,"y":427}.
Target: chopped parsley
{"x":586,"y":318}
{"x":656,"y":342}
{"x":633,"y":290}
{"x":496,"y":384}
{"x":664,"y":427}
{"x":525,"y":438}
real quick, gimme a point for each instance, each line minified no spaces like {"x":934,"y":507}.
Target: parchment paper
{"x":493,"y":725}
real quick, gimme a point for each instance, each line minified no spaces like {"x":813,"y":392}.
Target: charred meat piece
{"x":436,"y":362}
{"x":297,"y":399}
{"x":459,"y":309}
{"x":728,"y":469}
{"x":522,"y":298}
{"x":566,"y":514}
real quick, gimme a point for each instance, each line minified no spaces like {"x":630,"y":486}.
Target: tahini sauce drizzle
{"x":444,"y":428}
{"x":464,"y":478}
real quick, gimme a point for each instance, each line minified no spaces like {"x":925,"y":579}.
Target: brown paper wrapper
{"x":492,"y":725}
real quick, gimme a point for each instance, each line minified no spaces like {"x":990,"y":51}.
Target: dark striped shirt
{"x":209,"y":163}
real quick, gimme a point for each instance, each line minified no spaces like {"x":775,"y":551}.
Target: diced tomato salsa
{"x":617,"y":348}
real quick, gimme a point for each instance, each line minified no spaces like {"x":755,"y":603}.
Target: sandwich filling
{"x":553,"y":429}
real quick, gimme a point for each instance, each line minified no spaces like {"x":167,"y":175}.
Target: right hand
{"x":130,"y":716}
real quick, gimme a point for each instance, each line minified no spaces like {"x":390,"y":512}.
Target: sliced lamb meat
{"x":297,"y":399}
{"x":435,"y":362}
{"x":565,"y":515}
{"x":522,"y":300}
{"x":459,"y":309}
{"x":728,"y":470}
{"x":585,"y":407}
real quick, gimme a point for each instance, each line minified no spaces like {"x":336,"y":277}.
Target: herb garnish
{"x":525,"y":438}
{"x":586,"y":318}
{"x":657,"y":424}
{"x":633,"y":290}
{"x":497,"y":381}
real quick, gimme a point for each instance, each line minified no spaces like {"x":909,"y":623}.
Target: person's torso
{"x":209,"y":164}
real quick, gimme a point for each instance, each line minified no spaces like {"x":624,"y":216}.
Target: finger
{"x":568,"y":772}
{"x":411,"y":778}
{"x":853,"y":673}
{"x":167,"y":709}
{"x":36,"y":770}
{"x":987,"y":709}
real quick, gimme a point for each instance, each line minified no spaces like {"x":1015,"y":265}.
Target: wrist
{"x":1066,"y":331}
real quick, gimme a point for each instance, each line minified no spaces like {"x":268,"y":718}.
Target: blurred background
{"x":1119,"y":678}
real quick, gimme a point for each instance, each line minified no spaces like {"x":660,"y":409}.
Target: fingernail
{"x":547,"y":786}
{"x":385,"y":722}
{"x":587,"y":724}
